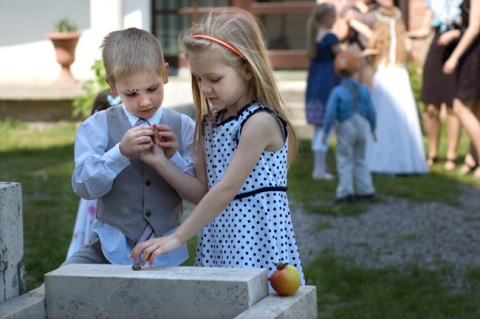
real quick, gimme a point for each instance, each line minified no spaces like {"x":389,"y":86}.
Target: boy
{"x":350,"y":106}
{"x":115,"y":151}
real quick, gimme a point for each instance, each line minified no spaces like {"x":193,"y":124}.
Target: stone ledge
{"x":30,"y":305}
{"x":116,"y":291}
{"x":302,"y":305}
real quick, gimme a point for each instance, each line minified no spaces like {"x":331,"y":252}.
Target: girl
{"x":354,"y":28}
{"x":245,"y":133}
{"x":399,"y":148}
{"x":465,"y":58}
{"x":443,"y":18}
{"x":322,"y":47}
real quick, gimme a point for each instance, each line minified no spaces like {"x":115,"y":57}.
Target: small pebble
{"x":136,"y":267}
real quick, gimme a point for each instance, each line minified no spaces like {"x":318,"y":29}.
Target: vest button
{"x":148,"y":213}
{"x":148,"y":182}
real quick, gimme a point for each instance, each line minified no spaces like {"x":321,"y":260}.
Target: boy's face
{"x":141,"y":92}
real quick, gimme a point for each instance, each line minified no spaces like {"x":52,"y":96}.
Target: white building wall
{"x":26,"y":55}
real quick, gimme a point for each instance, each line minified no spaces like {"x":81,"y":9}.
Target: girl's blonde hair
{"x":381,"y":38}
{"x":238,"y":28}
{"x":131,"y":50}
{"x":314,"y":22}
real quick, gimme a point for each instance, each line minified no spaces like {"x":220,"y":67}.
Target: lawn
{"x":41,"y":159}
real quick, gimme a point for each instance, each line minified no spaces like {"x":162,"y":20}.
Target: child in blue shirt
{"x":350,"y":108}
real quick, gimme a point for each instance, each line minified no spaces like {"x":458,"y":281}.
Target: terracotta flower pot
{"x":65,"y":44}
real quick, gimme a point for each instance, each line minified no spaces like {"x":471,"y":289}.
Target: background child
{"x":87,"y":208}
{"x":400,"y":148}
{"x":322,"y":47}
{"x":243,"y":127}
{"x":111,"y":146}
{"x":350,"y":107}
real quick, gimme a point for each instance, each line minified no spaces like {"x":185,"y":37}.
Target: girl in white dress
{"x":399,"y":149}
{"x":247,"y":140}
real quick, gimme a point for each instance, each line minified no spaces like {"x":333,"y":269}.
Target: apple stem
{"x":281,"y":265}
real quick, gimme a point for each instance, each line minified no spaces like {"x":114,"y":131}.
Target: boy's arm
{"x":95,"y":169}
{"x":331,"y":112}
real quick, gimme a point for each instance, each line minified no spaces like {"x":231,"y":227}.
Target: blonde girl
{"x":244,"y":131}
{"x":322,"y":47}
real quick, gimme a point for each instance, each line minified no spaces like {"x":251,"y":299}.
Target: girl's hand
{"x":155,"y":247}
{"x":349,"y":16}
{"x":167,"y":139}
{"x":448,"y":37}
{"x":450,"y":65}
{"x":368,"y":52}
{"x":153,"y":155}
{"x":136,"y":139}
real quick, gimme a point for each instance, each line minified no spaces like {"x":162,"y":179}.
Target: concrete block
{"x":12,"y":266}
{"x":116,"y":291}
{"x":302,"y":305}
{"x":30,"y":305}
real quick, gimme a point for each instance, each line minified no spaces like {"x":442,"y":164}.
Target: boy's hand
{"x":167,"y":139}
{"x":137,"y":139}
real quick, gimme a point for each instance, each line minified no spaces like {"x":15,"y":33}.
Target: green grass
{"x":41,"y":159}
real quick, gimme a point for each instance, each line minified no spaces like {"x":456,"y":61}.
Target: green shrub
{"x":82,"y":105}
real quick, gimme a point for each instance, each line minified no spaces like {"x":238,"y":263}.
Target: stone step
{"x":114,"y":291}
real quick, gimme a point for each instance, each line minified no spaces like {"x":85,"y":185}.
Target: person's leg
{"x":88,"y":254}
{"x":319,"y":150}
{"x":433,"y":128}
{"x":344,"y":160}
{"x":362,"y":175}
{"x":453,"y":130}
{"x":466,"y":111}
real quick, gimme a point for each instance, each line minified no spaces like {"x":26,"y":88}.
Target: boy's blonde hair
{"x":315,"y":20}
{"x":131,"y":50}
{"x":239,"y":29}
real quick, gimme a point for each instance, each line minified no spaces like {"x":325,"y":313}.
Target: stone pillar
{"x":12,"y":265}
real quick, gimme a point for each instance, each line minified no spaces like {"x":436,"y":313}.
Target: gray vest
{"x":139,"y":194}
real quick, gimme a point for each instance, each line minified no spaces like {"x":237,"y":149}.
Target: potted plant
{"x":65,"y":39}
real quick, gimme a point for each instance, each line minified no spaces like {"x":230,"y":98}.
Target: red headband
{"x":223,"y":43}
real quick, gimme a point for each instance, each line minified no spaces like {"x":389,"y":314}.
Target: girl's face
{"x":330,"y":19}
{"x":225,"y":87}
{"x":141,"y":92}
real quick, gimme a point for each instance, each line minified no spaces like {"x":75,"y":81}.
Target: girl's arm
{"x":192,"y":188}
{"x":361,"y":28}
{"x":468,"y":37}
{"x":261,"y":132}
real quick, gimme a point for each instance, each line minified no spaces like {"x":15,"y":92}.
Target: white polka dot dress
{"x":255,"y":229}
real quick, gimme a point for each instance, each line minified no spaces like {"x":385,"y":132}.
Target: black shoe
{"x":368,"y":197}
{"x":349,"y":199}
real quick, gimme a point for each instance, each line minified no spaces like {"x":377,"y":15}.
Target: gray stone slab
{"x":302,"y":305}
{"x":12,"y":266}
{"x":30,"y":305}
{"x":114,"y":291}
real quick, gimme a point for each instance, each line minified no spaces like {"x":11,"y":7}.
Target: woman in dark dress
{"x":466,"y":60}
{"x":443,"y":18}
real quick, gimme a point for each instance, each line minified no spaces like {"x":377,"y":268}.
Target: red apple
{"x":285,"y":280}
